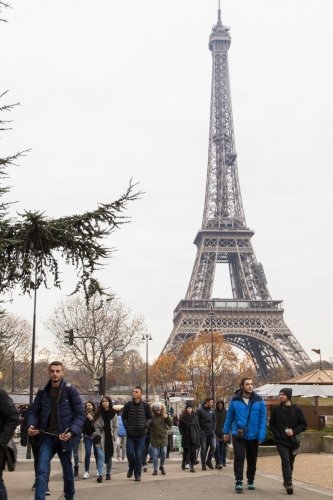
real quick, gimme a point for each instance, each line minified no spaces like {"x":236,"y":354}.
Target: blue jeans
{"x":101,"y":460}
{"x":49,"y":446}
{"x":3,"y":491}
{"x":88,"y":444}
{"x":134,"y":449}
{"x":208,"y":440}
{"x":159,"y":452}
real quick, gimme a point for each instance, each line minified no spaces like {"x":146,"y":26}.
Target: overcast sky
{"x":115,"y":89}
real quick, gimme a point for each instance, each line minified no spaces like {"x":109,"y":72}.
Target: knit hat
{"x":287,"y":391}
{"x":189,"y":404}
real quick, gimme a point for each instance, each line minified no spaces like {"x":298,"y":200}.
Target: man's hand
{"x":226,"y":438}
{"x":32,"y":431}
{"x":65,"y":437}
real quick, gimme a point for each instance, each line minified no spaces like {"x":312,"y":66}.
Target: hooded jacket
{"x":159,"y":427}
{"x":251,"y":417}
{"x":70,"y":411}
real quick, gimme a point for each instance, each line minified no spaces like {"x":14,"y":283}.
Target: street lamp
{"x":146,"y":337}
{"x":211,"y":315}
{"x":318,"y":351}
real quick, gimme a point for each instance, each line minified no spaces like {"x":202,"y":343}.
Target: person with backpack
{"x":57,"y":416}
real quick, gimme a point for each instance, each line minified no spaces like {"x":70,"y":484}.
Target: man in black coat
{"x":136,"y":416}
{"x":9,"y":420}
{"x":286,"y":423}
{"x":207,"y":422}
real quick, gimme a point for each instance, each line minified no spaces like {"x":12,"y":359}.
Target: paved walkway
{"x":176,"y":485}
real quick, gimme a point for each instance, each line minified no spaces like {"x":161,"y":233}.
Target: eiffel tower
{"x":251,"y":320}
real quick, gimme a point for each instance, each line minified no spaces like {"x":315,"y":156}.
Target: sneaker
{"x":130,"y":472}
{"x":85,"y":475}
{"x":239,"y":486}
{"x":251,"y":485}
{"x":33,"y":487}
{"x":204,"y":467}
{"x":187,"y":466}
{"x":192,"y":469}
{"x":154,"y":472}
{"x":123,"y":460}
{"x":99,"y":479}
{"x":137,"y":478}
{"x":116,"y":459}
{"x":145,"y":468}
{"x":47,"y":492}
{"x":162,"y":469}
{"x":108,"y":477}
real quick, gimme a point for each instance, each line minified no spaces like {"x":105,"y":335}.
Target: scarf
{"x":107,"y":416}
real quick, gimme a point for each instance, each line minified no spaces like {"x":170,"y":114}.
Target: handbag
{"x":11,"y":455}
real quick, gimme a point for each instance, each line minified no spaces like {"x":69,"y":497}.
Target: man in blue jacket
{"x":246,"y":421}
{"x":57,"y":415}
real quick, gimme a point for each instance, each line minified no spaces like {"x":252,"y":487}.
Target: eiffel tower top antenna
{"x":219,"y":20}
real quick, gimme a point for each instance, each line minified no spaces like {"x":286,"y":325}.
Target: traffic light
{"x":69,"y":337}
{"x":98,"y":385}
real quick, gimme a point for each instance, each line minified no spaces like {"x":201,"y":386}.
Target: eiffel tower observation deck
{"x":251,"y":321}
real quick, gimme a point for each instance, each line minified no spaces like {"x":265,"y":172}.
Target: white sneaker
{"x":85,"y":475}
{"x":116,"y":459}
{"x":124,"y":460}
{"x":187,"y":466}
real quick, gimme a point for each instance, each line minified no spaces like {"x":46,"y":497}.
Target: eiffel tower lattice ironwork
{"x":251,"y":320}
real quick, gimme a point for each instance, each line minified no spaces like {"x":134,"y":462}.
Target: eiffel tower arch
{"x":251,"y":320}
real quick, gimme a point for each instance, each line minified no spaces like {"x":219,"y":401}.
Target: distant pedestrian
{"x":220,"y":451}
{"x":106,"y":429}
{"x":56,"y":415}
{"x":121,"y":438}
{"x":159,"y":425}
{"x":136,"y":417}
{"x":246,"y":420}
{"x":191,"y":435}
{"x":286,"y":423}
{"x":9,"y":420}
{"x":88,"y":430}
{"x":207,"y":421}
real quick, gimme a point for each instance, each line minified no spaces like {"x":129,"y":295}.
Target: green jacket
{"x":159,"y":428}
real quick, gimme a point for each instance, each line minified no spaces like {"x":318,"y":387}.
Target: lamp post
{"x":146,"y":337}
{"x":318,"y":351}
{"x":211,"y":315}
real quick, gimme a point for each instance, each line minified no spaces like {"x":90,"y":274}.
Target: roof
{"x":318,"y":376}
{"x":305,"y":390}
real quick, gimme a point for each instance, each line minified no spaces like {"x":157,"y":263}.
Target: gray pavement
{"x":177,"y":484}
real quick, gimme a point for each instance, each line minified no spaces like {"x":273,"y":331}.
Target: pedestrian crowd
{"x":139,"y":433}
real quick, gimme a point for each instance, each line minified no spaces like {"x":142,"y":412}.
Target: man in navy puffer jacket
{"x":56,"y":414}
{"x":247,"y":422}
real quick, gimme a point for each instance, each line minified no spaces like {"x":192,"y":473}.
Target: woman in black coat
{"x":190,"y":431}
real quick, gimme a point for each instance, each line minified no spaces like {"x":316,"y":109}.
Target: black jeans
{"x":245,"y":448}
{"x":208,"y":443}
{"x":190,"y":455}
{"x":287,"y":462}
